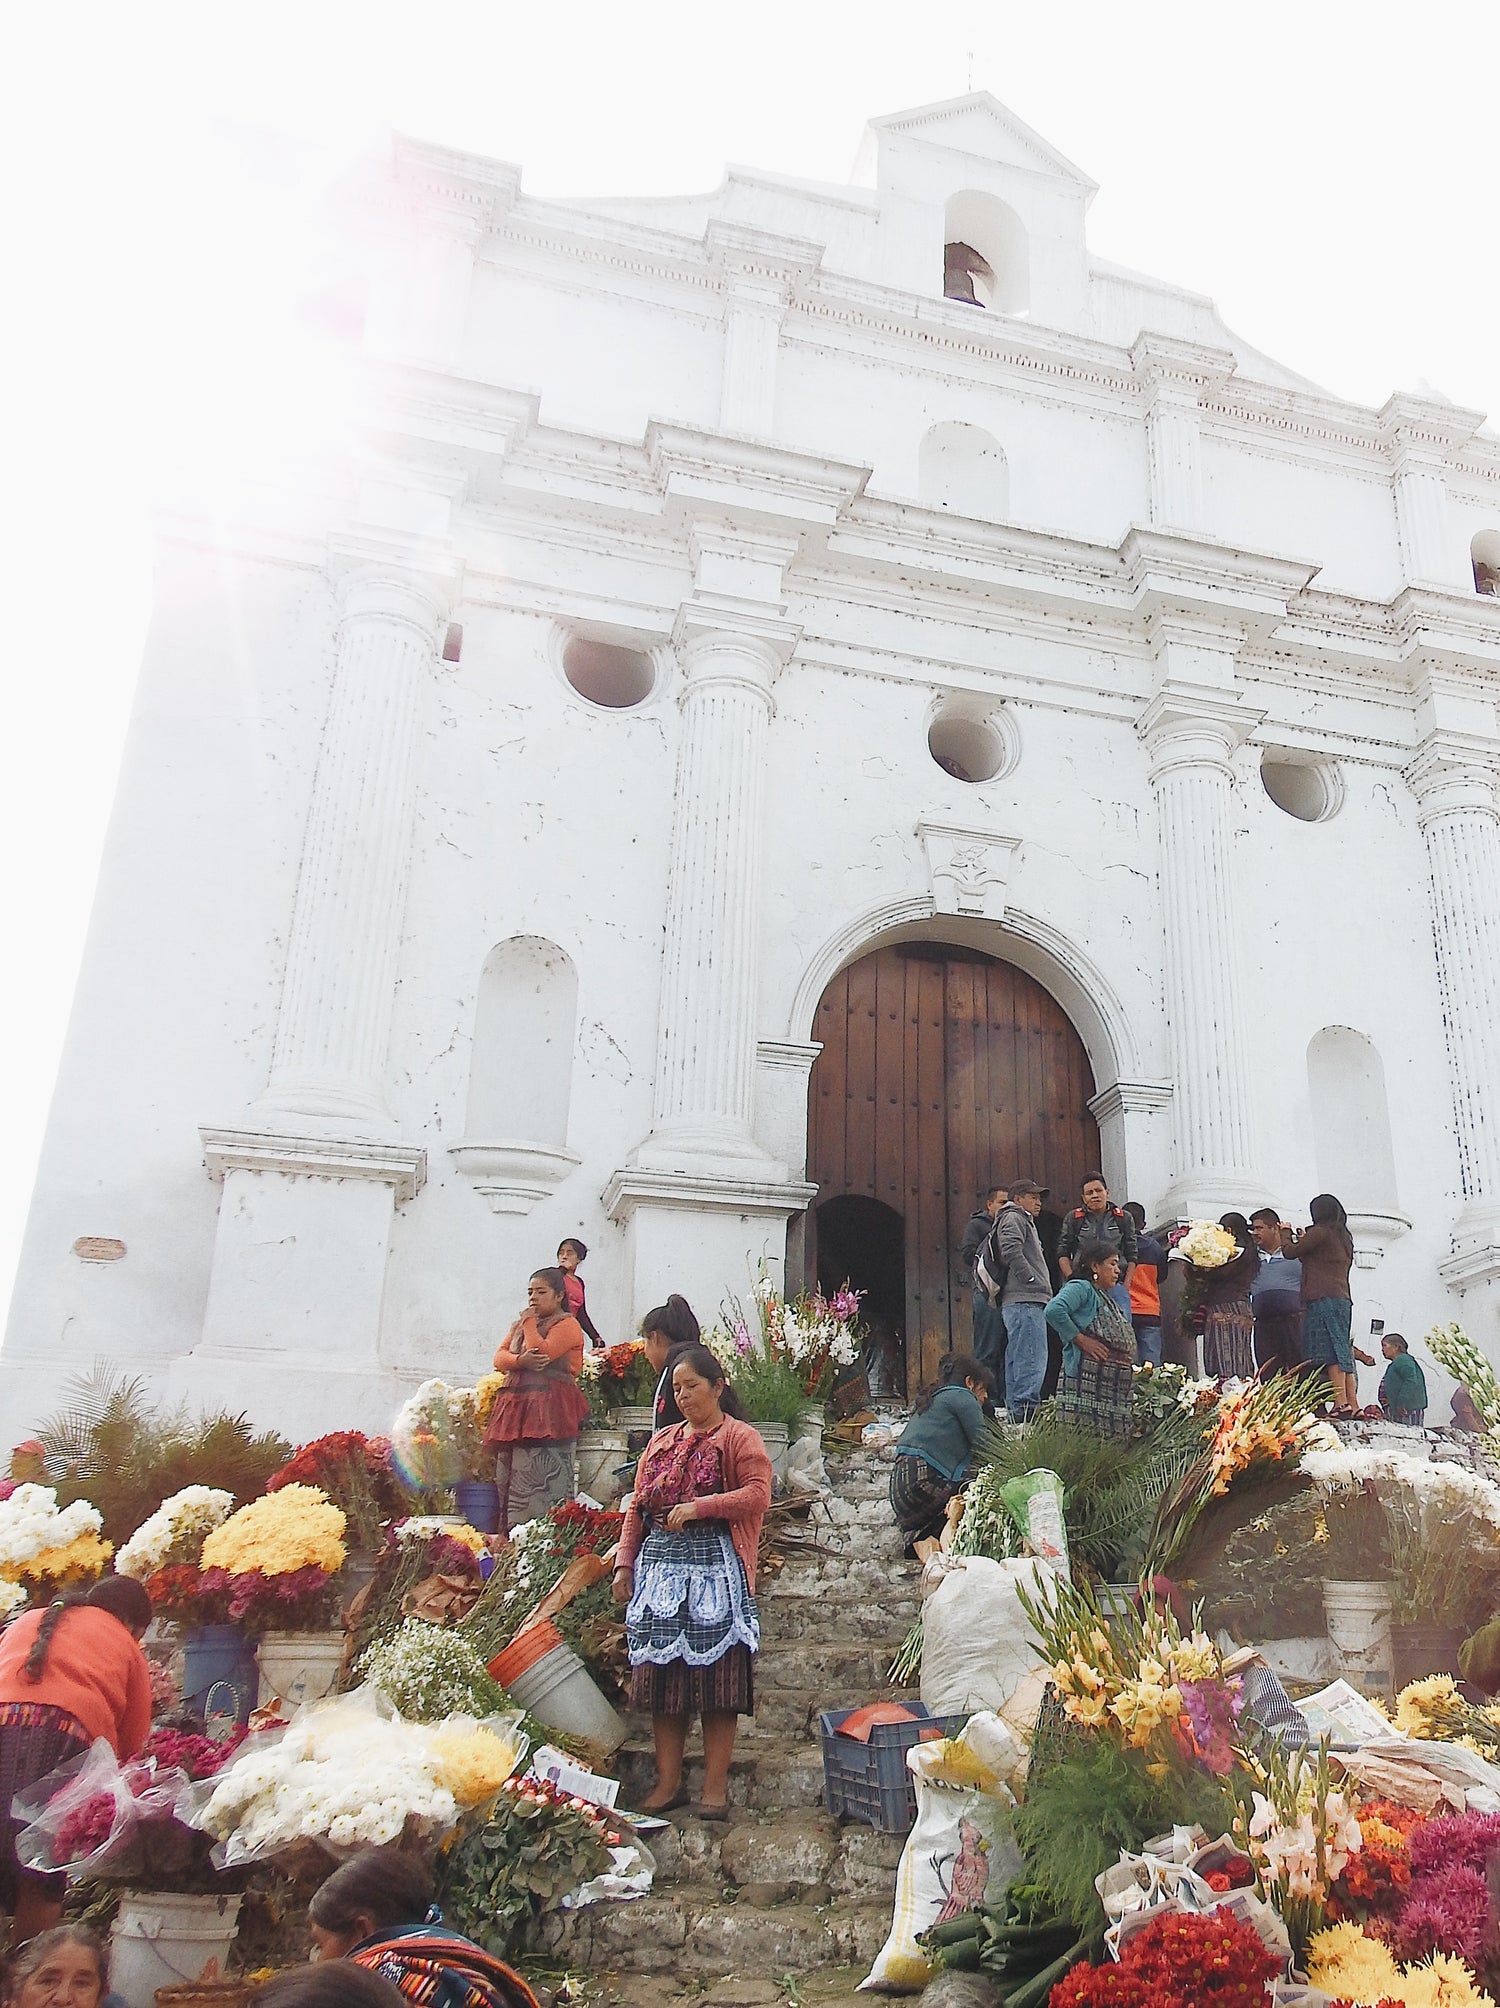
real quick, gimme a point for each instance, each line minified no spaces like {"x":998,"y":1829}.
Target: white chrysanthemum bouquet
{"x":175,"y":1532}
{"x":1207,"y":1245}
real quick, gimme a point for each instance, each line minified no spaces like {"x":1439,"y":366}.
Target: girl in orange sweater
{"x":537,"y":1415}
{"x":69,"y":1674}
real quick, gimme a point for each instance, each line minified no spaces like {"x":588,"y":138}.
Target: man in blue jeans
{"x":1028,"y":1290}
{"x":989,"y":1326}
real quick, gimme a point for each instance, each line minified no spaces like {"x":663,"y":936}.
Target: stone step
{"x":836,"y":1664}
{"x":807,"y":1850}
{"x":883,"y":1625}
{"x":680,"y":1933}
{"x":766,"y":1773}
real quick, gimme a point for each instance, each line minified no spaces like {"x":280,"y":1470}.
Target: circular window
{"x":605,"y":674}
{"x":1307,"y":789}
{"x":973,"y":746}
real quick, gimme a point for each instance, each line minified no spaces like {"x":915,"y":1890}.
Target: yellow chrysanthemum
{"x":473,"y":1763}
{"x":488,"y":1386}
{"x":295,"y":1528}
{"x":81,"y":1561}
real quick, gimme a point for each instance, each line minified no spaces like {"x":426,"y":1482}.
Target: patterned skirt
{"x":1328,"y":1333}
{"x":1098,"y":1396}
{"x":691,"y":1625}
{"x":34,"y":1740}
{"x":1229,"y":1341}
{"x":919,"y":1498}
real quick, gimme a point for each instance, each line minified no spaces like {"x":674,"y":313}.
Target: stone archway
{"x":943,"y":1069}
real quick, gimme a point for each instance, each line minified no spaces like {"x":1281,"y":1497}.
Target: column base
{"x":693,"y":1148}
{"x":706,"y":1235}
{"x":1204,"y":1195}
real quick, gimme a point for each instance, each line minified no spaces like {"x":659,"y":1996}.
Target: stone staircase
{"x":781,"y":1888}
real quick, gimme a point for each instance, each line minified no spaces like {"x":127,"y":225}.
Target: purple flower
{"x":1212,"y":1708}
{"x":1447,"y":1913}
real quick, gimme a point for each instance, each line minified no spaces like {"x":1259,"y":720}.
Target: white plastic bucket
{"x":168,"y":1941}
{"x":600,"y":1453}
{"x":559,"y":1690}
{"x":776,"y":1437}
{"x":298,"y":1666}
{"x":1358,"y":1617}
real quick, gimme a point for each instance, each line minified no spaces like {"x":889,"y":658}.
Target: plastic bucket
{"x":776,"y":1437}
{"x":599,"y":1451}
{"x":479,"y":1503}
{"x":1358,"y":1618}
{"x":523,"y":1652}
{"x":559,"y":1690}
{"x":299,"y":1666}
{"x":218,"y":1661}
{"x":168,"y":1941}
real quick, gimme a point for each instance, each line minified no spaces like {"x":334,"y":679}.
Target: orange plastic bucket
{"x":524,"y":1651}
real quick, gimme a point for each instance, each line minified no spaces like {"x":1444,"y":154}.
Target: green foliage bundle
{"x":111,"y":1445}
{"x":514,"y":1859}
{"x":1090,"y":1800}
{"x":771,"y":1389}
{"x":1113,"y":1489}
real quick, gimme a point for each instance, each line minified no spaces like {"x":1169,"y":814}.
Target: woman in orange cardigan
{"x":534,"y":1424}
{"x":69,"y":1674}
{"x":686,"y":1574}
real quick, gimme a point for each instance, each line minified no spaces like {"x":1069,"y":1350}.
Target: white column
{"x":1421,"y":438}
{"x":1190,"y":741}
{"x":706,"y":1043}
{"x":438,"y":210}
{"x":752,"y":332}
{"x":1456,"y":806}
{"x":334,"y":1027}
{"x":1174,"y":376}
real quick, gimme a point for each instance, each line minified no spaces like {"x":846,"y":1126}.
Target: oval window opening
{"x":606,"y":674}
{"x":970,"y":749}
{"x":1298,"y":789}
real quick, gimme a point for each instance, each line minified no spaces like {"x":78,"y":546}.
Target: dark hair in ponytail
{"x":703,"y":1363}
{"x":123,"y":1598}
{"x":675,"y":1321}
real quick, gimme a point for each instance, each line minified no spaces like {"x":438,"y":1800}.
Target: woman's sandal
{"x":672,"y":1805}
{"x":713,"y":1813}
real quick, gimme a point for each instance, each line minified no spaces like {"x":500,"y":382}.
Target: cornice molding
{"x":512,"y":1176}
{"x":633,"y":1186}
{"x":298,"y":1155}
{"x":1128,"y":1098}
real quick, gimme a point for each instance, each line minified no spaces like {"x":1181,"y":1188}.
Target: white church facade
{"x":800,"y":703}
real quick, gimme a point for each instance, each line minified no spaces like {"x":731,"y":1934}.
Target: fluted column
{"x":1174,"y":376}
{"x":1190,"y":740}
{"x":1422,"y":437}
{"x":1455,"y":789}
{"x":706,"y":1041}
{"x":334,"y":1027}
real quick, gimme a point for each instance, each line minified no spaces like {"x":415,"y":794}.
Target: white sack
{"x":977,"y":1644}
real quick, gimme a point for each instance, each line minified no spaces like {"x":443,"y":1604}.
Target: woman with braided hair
{"x":69,"y":1674}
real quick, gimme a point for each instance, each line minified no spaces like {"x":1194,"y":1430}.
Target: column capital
{"x":384,"y":577}
{"x":1454,"y":774}
{"x":1186,"y":726}
{"x":1178,"y":369}
{"x":1416,"y":429}
{"x":722,"y":645}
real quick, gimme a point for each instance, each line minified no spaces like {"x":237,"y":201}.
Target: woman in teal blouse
{"x":936,"y":1448}
{"x":1098,"y":1346}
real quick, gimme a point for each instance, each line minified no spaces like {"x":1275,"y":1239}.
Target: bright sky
{"x":1329,"y":180}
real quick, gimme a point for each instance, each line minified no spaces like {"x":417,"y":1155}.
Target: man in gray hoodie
{"x":1028,"y":1290}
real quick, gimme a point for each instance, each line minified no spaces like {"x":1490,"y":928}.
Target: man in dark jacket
{"x":1028,"y":1287}
{"x":989,"y":1326}
{"x":1098,"y":1223}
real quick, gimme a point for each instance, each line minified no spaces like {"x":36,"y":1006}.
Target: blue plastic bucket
{"x":479,"y":1503}
{"x":218,"y":1660}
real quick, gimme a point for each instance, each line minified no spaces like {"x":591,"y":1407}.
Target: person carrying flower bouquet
{"x":1098,"y":1342}
{"x":534,"y":1423}
{"x":686,"y":1575}
{"x":69,"y":1674}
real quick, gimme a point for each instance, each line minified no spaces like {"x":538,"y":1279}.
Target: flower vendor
{"x":377,"y":1912}
{"x":1098,"y":1342}
{"x":1326,"y":1252}
{"x":68,"y":1674}
{"x":1403,"y":1385}
{"x":667,"y":1331}
{"x":66,"y":1967}
{"x":686,"y":1574}
{"x":1228,"y":1321}
{"x":534,"y":1424}
{"x":336,"y":1985}
{"x":936,"y":1448}
{"x":570,"y":1254}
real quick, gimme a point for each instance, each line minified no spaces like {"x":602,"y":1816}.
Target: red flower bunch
{"x":199,"y":1756}
{"x":1374,"y":1883}
{"x":356,"y":1472}
{"x":281,"y":1603}
{"x":332,"y":1454}
{"x":86,"y":1828}
{"x":585,"y":1530}
{"x":178,"y":1591}
{"x":1179,"y":1961}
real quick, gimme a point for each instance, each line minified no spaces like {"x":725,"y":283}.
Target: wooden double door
{"x":943,"y":1071}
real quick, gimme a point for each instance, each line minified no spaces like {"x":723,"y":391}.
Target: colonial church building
{"x":797,"y":703}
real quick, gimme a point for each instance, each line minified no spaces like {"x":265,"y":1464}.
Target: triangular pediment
{"x":978,"y":124}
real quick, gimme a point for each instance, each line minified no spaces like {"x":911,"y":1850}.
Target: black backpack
{"x":989,"y":1270}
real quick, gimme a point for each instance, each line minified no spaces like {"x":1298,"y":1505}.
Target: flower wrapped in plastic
{"x":174,"y":1534}
{"x":43,"y":1545}
{"x":429,"y":1436}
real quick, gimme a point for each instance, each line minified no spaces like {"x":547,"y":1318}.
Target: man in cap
{"x":1028,"y":1289}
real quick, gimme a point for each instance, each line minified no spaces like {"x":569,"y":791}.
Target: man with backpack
{"x":1098,"y":1223}
{"x":989,"y":1326}
{"x":1013,"y":1258}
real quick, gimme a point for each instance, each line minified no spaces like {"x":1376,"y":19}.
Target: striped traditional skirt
{"x":691,"y":1625}
{"x":34,"y":1740}
{"x":1099,"y":1396}
{"x":1229,"y":1342}
{"x":919,"y":1497}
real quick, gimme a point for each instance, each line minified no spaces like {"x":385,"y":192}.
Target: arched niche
{"x":962,"y":467}
{"x":985,"y":225}
{"x":1351,"y":1120}
{"x":521,"y":1073}
{"x":1484,"y":556}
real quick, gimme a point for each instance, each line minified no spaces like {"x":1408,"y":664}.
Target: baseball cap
{"x":1026,"y":1185}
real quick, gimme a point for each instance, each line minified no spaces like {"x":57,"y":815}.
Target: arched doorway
{"x":943,"y":1070}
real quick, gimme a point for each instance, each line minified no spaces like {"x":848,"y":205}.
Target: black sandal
{"x":673,"y":1805}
